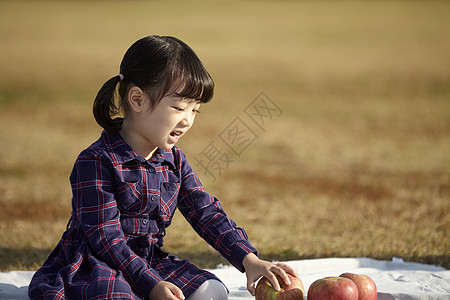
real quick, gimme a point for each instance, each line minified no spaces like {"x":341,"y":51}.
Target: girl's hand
{"x":255,"y":268}
{"x":166,"y":290}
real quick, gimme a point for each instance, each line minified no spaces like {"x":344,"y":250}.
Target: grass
{"x":357,"y":165}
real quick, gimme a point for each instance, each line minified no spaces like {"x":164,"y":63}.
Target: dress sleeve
{"x":206,"y":215}
{"x":96,"y":208}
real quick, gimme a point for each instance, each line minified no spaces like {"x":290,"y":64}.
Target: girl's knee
{"x":210,"y":290}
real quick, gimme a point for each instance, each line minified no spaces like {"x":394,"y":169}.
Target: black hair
{"x":159,"y":65}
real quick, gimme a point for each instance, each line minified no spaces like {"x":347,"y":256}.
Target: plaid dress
{"x":121,"y":205}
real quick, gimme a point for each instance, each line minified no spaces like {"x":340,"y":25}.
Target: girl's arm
{"x":206,"y":215}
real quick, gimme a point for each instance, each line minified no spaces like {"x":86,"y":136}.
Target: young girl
{"x":127,"y":185}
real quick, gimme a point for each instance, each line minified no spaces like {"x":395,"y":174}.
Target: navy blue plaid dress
{"x":121,"y":205}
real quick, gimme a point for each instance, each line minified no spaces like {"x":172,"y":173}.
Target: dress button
{"x":154,"y":198}
{"x":144,"y":221}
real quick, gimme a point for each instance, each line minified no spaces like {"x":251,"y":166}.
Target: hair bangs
{"x":198,"y":88}
{"x":192,"y":78}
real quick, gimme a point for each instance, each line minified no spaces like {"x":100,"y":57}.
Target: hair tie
{"x":121,"y":76}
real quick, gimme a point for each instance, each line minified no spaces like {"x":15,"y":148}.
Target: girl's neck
{"x":136,"y":143}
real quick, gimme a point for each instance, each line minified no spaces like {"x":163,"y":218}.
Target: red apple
{"x":333,"y":288}
{"x":367,"y":289}
{"x":294,"y":291}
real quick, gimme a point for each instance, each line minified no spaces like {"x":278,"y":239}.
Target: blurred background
{"x":357,"y":163}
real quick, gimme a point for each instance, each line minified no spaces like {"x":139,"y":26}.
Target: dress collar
{"x":122,"y":152}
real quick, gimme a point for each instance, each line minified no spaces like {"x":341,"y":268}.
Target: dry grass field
{"x":357,"y":164}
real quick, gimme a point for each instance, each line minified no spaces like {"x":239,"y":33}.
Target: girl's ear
{"x":136,"y":97}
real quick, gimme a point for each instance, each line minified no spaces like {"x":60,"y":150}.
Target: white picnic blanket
{"x":394,"y":279}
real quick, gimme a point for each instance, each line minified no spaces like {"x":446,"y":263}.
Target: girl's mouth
{"x":175,"y":136}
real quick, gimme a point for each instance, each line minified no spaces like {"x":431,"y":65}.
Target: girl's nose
{"x":188,"y":119}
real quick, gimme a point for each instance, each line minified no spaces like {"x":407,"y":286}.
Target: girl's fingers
{"x":278,"y":270}
{"x":177,"y":292}
{"x":287,"y":269}
{"x":251,"y":287}
{"x":274,"y":280}
{"x":273,"y":273}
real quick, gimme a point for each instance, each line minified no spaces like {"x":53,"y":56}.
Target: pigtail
{"x":105,"y":106}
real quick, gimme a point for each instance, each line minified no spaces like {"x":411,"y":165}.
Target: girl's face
{"x":162,"y":126}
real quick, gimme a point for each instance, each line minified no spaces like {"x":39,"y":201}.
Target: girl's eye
{"x":196,"y":111}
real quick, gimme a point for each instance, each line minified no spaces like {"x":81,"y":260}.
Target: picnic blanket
{"x":395,"y":279}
